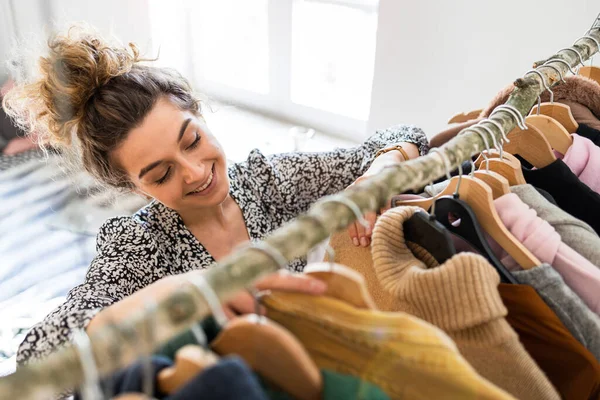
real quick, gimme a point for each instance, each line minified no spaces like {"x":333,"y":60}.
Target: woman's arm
{"x":290,"y":183}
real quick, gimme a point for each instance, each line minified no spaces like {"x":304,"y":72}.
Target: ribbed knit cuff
{"x":459,"y":294}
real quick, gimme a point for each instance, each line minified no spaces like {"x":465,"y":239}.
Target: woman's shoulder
{"x":141,"y":228}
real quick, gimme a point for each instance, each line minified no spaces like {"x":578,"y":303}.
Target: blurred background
{"x":280,"y":75}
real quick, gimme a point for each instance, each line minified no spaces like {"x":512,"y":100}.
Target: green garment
{"x":336,"y":387}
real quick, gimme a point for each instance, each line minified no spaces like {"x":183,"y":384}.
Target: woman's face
{"x":173,"y":157}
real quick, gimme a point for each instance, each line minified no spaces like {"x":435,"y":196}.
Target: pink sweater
{"x":544,"y":242}
{"x":583,"y":159}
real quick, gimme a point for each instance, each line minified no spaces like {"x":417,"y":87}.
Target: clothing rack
{"x":117,"y":346}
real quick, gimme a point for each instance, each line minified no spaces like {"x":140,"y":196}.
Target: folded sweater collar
{"x":461,"y":293}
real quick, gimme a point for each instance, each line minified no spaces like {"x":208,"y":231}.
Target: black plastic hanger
{"x":423,"y":229}
{"x":468,"y":229}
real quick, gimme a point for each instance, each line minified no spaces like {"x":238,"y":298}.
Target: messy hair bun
{"x":89,"y":95}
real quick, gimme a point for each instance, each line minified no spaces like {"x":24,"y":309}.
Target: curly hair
{"x":90,"y":94}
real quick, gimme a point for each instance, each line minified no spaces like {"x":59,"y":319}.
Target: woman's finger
{"x":371,"y":218}
{"x":292,"y":283}
{"x":242,"y":303}
{"x":353,"y":232}
{"x":362,"y":234}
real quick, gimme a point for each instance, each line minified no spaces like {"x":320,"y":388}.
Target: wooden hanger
{"x":273,"y":352}
{"x":508,"y":166}
{"x":464,"y":117}
{"x":591,"y":72}
{"x":190,"y":360}
{"x":495,"y":181}
{"x":531,"y":145}
{"x":559,"y":138}
{"x":560,"y":112}
{"x":343,"y":283}
{"x":479,"y":197}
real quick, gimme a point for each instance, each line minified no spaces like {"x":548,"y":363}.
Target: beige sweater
{"x":460,"y":297}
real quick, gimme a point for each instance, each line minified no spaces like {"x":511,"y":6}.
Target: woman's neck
{"x":214,"y":216}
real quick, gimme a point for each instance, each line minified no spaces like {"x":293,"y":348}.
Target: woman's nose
{"x":193,"y":172}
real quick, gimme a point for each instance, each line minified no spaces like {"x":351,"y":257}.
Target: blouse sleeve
{"x":294,"y":181}
{"x":125,"y":258}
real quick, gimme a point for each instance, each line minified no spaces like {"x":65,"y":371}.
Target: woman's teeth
{"x":207,"y":184}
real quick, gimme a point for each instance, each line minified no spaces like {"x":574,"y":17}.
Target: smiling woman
{"x":137,"y":127}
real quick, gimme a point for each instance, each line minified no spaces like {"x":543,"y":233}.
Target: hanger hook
{"x":560,"y":75}
{"x":352,"y":206}
{"x":444,"y":160}
{"x":485,"y":143}
{"x":214,"y":304}
{"x":474,"y":167}
{"x":460,"y":174}
{"x":448,"y":175}
{"x":497,"y":125}
{"x":331,"y":255}
{"x":593,"y":39}
{"x":91,"y":387}
{"x":546,"y":87}
{"x":560,"y":60}
{"x":491,"y":132}
{"x":574,"y":51}
{"x":520,"y":121}
{"x":272,"y":252}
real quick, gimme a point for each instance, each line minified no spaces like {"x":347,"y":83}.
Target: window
{"x":308,"y":61}
{"x":231,"y":43}
{"x":333,"y":51}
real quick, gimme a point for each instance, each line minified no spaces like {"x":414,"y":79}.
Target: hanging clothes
{"x":583,"y":115}
{"x":460,"y":297}
{"x":589,"y":132}
{"x":545,"y":243}
{"x":572,"y":195}
{"x":406,"y":357}
{"x":583,"y":324}
{"x":359,"y":259}
{"x":583,"y":159}
{"x":229,"y":379}
{"x":571,"y":368}
{"x":577,"y":88}
{"x":573,"y":232}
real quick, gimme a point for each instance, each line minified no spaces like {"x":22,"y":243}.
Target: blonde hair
{"x":88,"y":97}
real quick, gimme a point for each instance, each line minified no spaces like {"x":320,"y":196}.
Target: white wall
{"x":437,"y":57}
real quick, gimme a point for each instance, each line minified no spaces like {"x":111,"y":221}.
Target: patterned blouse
{"x":135,"y":251}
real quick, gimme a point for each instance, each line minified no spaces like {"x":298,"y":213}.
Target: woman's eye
{"x":164,"y":177}
{"x":195,"y":142}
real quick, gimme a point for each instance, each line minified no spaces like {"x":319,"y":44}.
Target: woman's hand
{"x":244,"y":303}
{"x":361,"y":235}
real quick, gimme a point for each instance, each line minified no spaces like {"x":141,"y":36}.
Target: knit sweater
{"x":460,"y":297}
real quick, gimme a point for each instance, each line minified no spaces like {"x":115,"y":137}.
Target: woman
{"x":140,"y":128}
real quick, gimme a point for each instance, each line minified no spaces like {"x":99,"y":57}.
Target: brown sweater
{"x":460,"y":297}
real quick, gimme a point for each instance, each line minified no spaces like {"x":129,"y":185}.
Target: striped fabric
{"x":48,"y":224}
